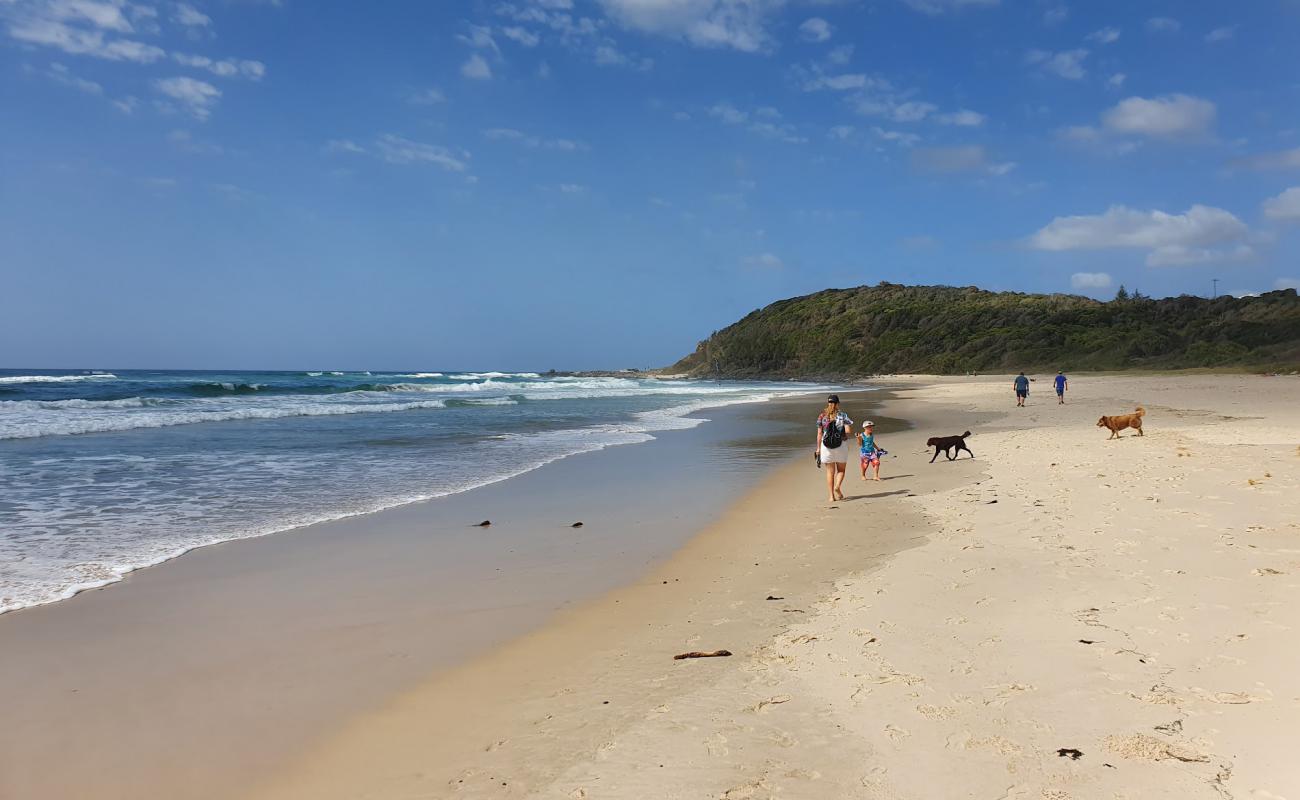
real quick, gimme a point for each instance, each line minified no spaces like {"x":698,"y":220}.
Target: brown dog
{"x":1122,"y":421}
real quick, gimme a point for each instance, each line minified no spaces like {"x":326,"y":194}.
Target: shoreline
{"x":392,"y":596}
{"x":687,"y":413}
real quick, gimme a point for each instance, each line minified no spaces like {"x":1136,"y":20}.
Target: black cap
{"x":835,"y":398}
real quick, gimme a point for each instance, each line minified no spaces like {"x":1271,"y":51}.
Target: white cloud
{"x":479,"y":36}
{"x":398,"y":150}
{"x":963,"y":118}
{"x":426,"y":97}
{"x":105,"y":15}
{"x":1201,"y":234}
{"x":1281,"y":159}
{"x":736,"y":24}
{"x":729,"y":114}
{"x":1056,"y":15}
{"x":1163,"y":25}
{"x":342,"y":146}
{"x":764,"y":261}
{"x":840,"y":55}
{"x":571,"y":188}
{"x":127,"y":105}
{"x":191,"y":17}
{"x":958,"y":159}
{"x":1221,"y":34}
{"x":1066,"y":64}
{"x":1104,"y":36}
{"x":195,"y":96}
{"x":521,"y":35}
{"x":763,"y":121}
{"x":225,"y":68}
{"x":901,"y":138}
{"x":815,"y":29}
{"x":1167,"y":116}
{"x":62,"y":75}
{"x":1285,"y":207}
{"x":837,"y":83}
{"x":535,"y":142}
{"x":1117,"y":80}
{"x":607,"y":55}
{"x":54,"y":33}
{"x":937,"y":7}
{"x":841,"y":132}
{"x":1089,"y":280}
{"x":476,"y":68}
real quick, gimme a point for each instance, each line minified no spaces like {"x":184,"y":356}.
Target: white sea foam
{"x":417,"y":374}
{"x":473,"y":376}
{"x":63,"y":551}
{"x":315,"y":374}
{"x":98,"y":376}
{"x":25,"y":419}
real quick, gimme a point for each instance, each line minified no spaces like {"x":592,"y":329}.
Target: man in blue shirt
{"x":1061,"y":385}
{"x":1022,"y":390}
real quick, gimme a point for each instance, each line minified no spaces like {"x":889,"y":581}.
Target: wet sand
{"x":195,"y":678}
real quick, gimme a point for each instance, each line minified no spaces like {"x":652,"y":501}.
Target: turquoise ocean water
{"x":103,"y":472}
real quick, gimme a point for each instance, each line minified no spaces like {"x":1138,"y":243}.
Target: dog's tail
{"x":1140,"y":411}
{"x":964,"y":435}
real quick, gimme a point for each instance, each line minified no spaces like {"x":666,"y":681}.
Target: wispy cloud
{"x":1224,"y":34}
{"x":196,"y":97}
{"x":535,"y":142}
{"x":1163,"y":25}
{"x":735,"y":24}
{"x":815,"y":29}
{"x":225,"y":68}
{"x":426,"y":97}
{"x":936,"y":7}
{"x":764,"y":121}
{"x":190,"y":17}
{"x":1104,"y":36}
{"x":970,"y":158}
{"x":1066,"y":64}
{"x":399,"y":150}
{"x":476,"y":68}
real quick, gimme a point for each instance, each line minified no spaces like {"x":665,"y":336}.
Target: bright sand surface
{"x":1061,"y":617}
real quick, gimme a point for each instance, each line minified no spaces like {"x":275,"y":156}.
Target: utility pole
{"x":1215,"y":281}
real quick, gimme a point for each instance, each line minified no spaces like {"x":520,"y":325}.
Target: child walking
{"x":871,"y":452}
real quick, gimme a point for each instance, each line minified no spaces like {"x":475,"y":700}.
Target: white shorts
{"x":839,"y":455}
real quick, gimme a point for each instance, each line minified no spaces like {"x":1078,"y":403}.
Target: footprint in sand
{"x":1148,"y":748}
{"x":896,"y":733}
{"x":717,"y":745}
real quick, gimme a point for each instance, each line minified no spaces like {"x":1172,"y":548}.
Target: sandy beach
{"x":1061,"y":617}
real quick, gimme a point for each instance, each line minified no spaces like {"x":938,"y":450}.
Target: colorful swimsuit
{"x":870,"y":453}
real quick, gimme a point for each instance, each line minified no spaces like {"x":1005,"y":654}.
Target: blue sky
{"x":601,"y":183}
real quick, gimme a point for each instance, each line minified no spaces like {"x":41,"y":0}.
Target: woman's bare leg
{"x":830,"y":481}
{"x":840,"y":471}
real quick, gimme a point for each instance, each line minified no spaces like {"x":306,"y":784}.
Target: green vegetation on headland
{"x":889,"y":328}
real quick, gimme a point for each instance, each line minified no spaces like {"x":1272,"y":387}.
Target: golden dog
{"x":1122,"y":421}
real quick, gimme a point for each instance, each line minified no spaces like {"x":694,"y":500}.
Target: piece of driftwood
{"x":698,"y":654}
{"x":485,"y":523}
{"x":576,"y":525}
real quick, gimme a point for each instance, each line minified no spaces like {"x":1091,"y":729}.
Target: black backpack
{"x":833,"y":436}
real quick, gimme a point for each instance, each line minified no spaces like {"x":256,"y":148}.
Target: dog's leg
{"x":951,"y":453}
{"x":1140,"y":433}
{"x":936,"y":455}
{"x":972,"y":453}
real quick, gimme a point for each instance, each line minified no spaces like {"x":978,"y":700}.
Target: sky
{"x":569,"y":184}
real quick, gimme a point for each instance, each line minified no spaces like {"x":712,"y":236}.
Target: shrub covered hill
{"x":888,"y":328}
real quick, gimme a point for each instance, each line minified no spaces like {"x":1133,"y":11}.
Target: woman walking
{"x":833,"y":429}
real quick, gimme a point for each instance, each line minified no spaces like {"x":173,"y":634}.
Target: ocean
{"x":104,"y":472}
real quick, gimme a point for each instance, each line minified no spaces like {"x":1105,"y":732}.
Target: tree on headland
{"x":888,"y":328}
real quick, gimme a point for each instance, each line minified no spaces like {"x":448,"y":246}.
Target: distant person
{"x":1062,"y":383}
{"x":833,"y":429}
{"x":870,"y":452}
{"x":1022,"y":390}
